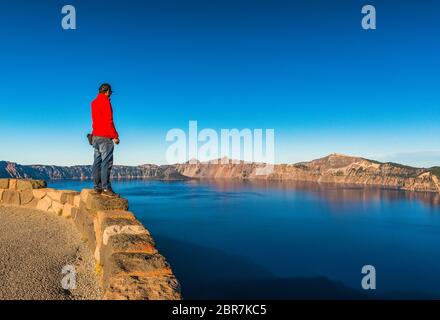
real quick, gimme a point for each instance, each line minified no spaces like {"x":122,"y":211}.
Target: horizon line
{"x":219,"y":159}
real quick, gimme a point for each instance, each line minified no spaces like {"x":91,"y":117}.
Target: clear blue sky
{"x":305,"y":68}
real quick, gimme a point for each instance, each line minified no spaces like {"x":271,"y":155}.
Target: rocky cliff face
{"x":148,"y":171}
{"x":334,"y":168}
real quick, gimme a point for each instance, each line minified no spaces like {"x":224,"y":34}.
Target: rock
{"x":98,"y":225}
{"x":84,"y":221}
{"x":32,"y":205}
{"x":44,"y":204}
{"x":101,"y":216}
{"x":85,"y":193}
{"x":56,"y":208}
{"x":26,"y":196}
{"x":114,"y":214}
{"x":11,"y":197}
{"x":139,"y":276}
{"x":69,"y":211}
{"x":12,"y":184}
{"x":40,"y":193}
{"x":111,"y":226}
{"x":55,"y":195}
{"x":38,"y":184}
{"x":108,"y":227}
{"x":99,"y":202}
{"x":4,"y":183}
{"x":113,"y":230}
{"x":123,"y":242}
{"x":76,"y":200}
{"x":30,"y":184}
{"x":62,"y":196}
{"x":135,"y":264}
{"x":68,"y":197}
{"x":163,"y":287}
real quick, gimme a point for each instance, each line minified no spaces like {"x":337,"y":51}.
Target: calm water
{"x":279,"y":240}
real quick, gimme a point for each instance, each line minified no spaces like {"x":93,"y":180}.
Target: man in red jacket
{"x":104,"y":137}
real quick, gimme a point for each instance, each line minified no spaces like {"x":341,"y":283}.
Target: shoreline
{"x":339,"y":185}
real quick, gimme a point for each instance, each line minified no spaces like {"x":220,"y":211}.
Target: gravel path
{"x":34,"y":247}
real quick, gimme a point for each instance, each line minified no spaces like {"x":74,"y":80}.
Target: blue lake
{"x":231,"y":239}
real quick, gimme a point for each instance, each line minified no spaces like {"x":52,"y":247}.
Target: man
{"x":104,"y":136}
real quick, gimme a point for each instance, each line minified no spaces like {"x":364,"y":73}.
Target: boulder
{"x":41,"y":193}
{"x":84,"y":222}
{"x":69,"y":197}
{"x":55,"y":195}
{"x":111,"y":214}
{"x":24,"y":185}
{"x":114,"y":214}
{"x":69,"y":211}
{"x":163,"y":287}
{"x":107,"y":227}
{"x":30,"y":184}
{"x":11,"y":197}
{"x":44,"y":204}
{"x":85,"y":193}
{"x":135,"y":264}
{"x":12,"y":184}
{"x":62,"y":196}
{"x":4,"y":183}
{"x":99,"y":202}
{"x":111,"y":226}
{"x":56,"y":208}
{"x":32,"y":205}
{"x":98,"y":228}
{"x":125,"y":242}
{"x":113,"y":229}
{"x":26,"y":196}
{"x":76,"y":200}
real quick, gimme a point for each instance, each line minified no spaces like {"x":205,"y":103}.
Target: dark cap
{"x":105,"y":87}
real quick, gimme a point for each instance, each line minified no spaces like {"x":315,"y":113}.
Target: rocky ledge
{"x":128,"y":263}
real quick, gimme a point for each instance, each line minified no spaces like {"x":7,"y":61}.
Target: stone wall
{"x":128,"y":264}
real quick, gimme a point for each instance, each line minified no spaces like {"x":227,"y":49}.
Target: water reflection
{"x":329,"y":192}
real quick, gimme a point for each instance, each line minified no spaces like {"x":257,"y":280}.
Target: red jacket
{"x":102,"y":117}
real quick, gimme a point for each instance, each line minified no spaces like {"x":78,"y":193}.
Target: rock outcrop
{"x":128,"y":263}
{"x":334,"y":168}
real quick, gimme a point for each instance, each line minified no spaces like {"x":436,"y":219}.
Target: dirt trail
{"x":34,"y":248}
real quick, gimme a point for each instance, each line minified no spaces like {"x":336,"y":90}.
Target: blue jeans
{"x":102,"y":166}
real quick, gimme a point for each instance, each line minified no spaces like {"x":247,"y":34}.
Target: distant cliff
{"x":45,"y":172}
{"x":334,"y":168}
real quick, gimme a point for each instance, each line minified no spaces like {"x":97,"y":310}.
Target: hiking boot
{"x":97,"y":191}
{"x":109,"y":193}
